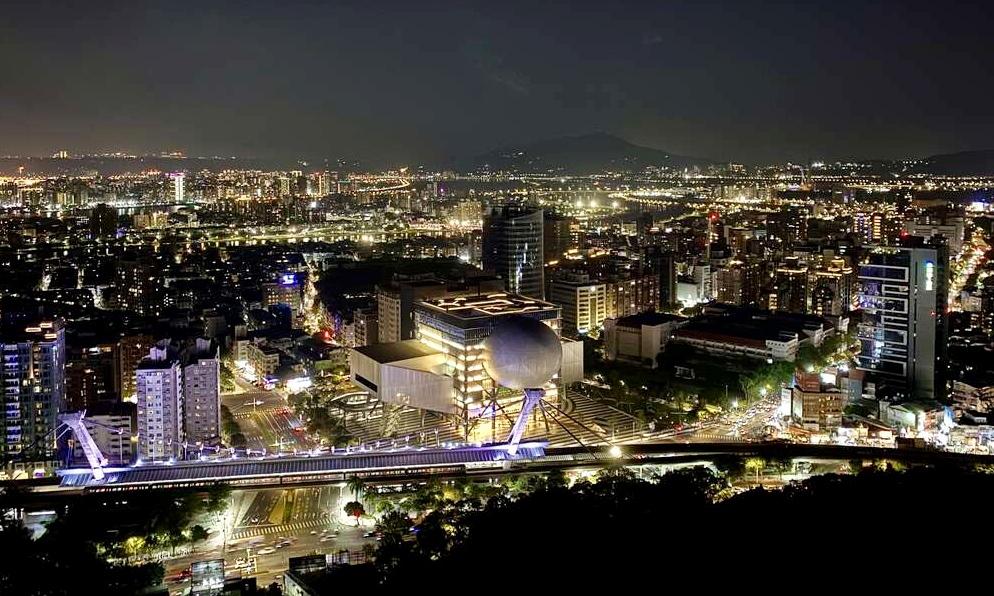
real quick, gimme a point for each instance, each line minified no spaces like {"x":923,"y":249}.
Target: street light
{"x":614,"y":451}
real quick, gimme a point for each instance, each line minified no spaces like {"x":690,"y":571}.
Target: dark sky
{"x":413,"y":81}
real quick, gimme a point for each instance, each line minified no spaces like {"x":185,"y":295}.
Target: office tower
{"x":513,"y":249}
{"x":179,"y":190}
{"x":103,"y":221}
{"x":902,"y":291}
{"x":34,"y":388}
{"x":136,"y":285}
{"x":583,"y":302}
{"x":159,"y":387}
{"x":792,"y":286}
{"x":557,"y":237}
{"x":202,"y":394}
{"x":131,"y":349}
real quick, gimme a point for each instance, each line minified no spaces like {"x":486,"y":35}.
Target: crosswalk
{"x":284,"y":529}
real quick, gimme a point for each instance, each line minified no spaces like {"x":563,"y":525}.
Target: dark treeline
{"x":684,"y":530}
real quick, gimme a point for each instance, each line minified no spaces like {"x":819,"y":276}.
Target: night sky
{"x":403,"y":82}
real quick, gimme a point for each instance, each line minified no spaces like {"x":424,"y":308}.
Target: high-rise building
{"x":159,"y":385}
{"x":91,"y":376}
{"x":902,"y":292}
{"x":583,"y":302}
{"x":831,"y":288}
{"x":131,"y":350}
{"x":179,"y":189}
{"x":34,"y":388}
{"x":103,"y":221}
{"x":286,"y":291}
{"x":787,"y":227}
{"x":557,"y":237}
{"x":202,"y":394}
{"x":366,"y":327}
{"x":740,"y":282}
{"x":136,"y":285}
{"x":792,"y":286}
{"x":513,"y":248}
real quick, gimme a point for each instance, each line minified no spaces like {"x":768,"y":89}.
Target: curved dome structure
{"x":522,"y":353}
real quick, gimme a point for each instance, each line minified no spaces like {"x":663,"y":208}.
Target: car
{"x":254,"y":520}
{"x":327,"y":538}
{"x":369,"y":535}
{"x":313,"y":532}
{"x":266,"y":551}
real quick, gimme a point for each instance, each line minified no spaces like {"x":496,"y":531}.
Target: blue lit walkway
{"x":297,"y":470}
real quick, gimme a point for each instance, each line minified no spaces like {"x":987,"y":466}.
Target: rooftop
{"x":396,"y":351}
{"x":496,"y":304}
{"x":649,"y":319}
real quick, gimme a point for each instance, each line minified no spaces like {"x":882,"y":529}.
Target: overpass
{"x":413,"y":463}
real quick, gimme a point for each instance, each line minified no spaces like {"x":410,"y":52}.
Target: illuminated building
{"x":34,"y":390}
{"x":366,"y":327}
{"x":513,"y":240}
{"x":395,"y":302}
{"x":740,"y":282}
{"x":159,"y":386}
{"x":202,"y":394}
{"x":457,"y":328}
{"x":136,"y":285}
{"x":792,"y":286}
{"x":131,"y":349}
{"x":902,"y":293}
{"x":586,"y":302}
{"x":179,"y":190}
{"x":286,"y":291}
{"x":831,"y":288}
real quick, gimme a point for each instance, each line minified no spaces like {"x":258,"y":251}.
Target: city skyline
{"x":407,"y":84}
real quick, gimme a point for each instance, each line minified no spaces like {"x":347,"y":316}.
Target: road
{"x":306,"y":520}
{"x":266,"y":420}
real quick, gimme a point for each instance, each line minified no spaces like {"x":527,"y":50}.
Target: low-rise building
{"x":639,"y":338}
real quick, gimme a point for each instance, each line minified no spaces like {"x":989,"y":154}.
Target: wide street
{"x":266,"y":420}
{"x":263,"y":529}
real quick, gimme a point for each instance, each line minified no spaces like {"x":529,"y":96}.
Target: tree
{"x":198,"y":534}
{"x":355,"y":509}
{"x":356,"y":485}
{"x":755,"y":464}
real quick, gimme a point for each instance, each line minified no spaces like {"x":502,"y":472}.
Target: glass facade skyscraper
{"x":903,"y":296}
{"x":513,"y":249}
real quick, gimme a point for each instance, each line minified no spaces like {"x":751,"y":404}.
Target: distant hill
{"x":963,"y":163}
{"x":584,"y":154}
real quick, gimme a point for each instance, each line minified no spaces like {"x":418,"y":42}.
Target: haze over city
{"x":320,"y":298}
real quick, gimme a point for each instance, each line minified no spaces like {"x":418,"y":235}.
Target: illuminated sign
{"x":929,"y":276}
{"x":288,"y":279}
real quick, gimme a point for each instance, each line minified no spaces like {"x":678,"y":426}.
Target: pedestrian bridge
{"x":248,"y":472}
